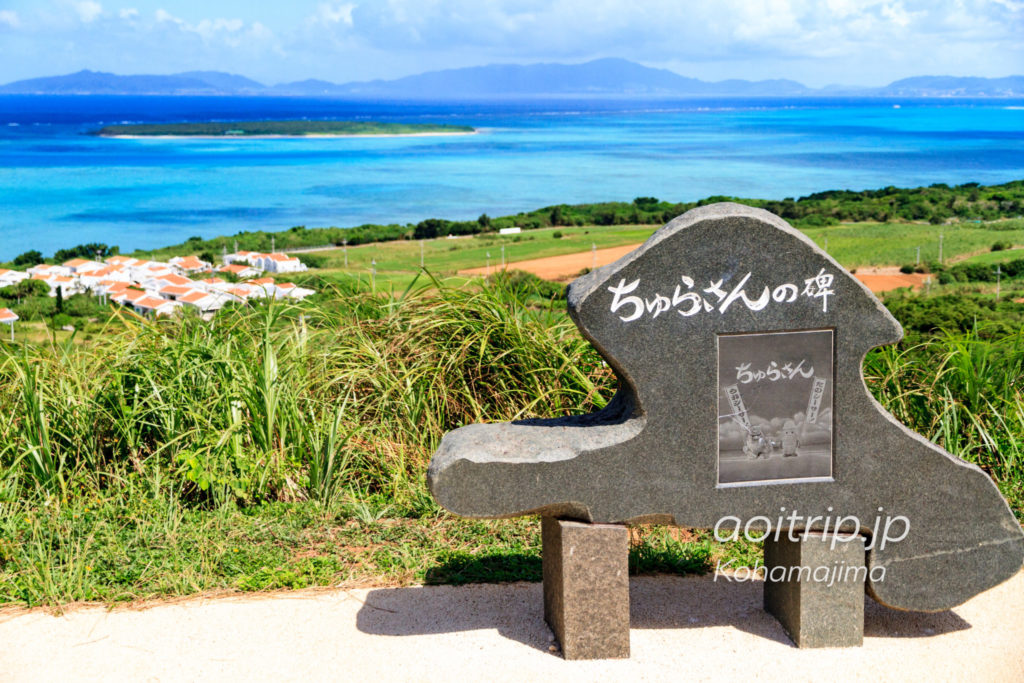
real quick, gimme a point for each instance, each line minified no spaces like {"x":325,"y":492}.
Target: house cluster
{"x":161,"y":288}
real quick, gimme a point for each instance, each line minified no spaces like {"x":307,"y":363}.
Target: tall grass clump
{"x":285,"y":401}
{"x":961,"y":389}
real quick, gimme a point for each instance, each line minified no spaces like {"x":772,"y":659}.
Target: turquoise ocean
{"x":60,"y":186}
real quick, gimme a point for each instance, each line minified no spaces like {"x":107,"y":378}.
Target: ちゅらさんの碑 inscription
{"x":738,"y":347}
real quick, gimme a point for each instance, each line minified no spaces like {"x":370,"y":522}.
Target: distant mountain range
{"x":602,"y":77}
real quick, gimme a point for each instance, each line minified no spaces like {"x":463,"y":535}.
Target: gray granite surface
{"x":653,"y":454}
{"x":586,"y":587}
{"x":817,"y":608}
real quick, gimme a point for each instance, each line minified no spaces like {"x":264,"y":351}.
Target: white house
{"x":47,"y":270}
{"x":206,"y":302}
{"x":11,"y":277}
{"x":288,"y":290}
{"x":238,"y":270}
{"x":158,"y":282}
{"x":190,"y":264}
{"x":128,"y":296}
{"x":78,"y":266}
{"x":65,"y":283}
{"x":175,"y":292}
{"x":121,"y":261}
{"x":8,"y":317}
{"x":155,"y":305}
{"x":241,"y":257}
{"x":281,"y":263}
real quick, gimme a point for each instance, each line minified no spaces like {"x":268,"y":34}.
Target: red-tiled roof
{"x":190,"y":262}
{"x":175,"y":279}
{"x":193,"y":297}
{"x":150,"y":302}
{"x":7,"y":315}
{"x":134,"y":294}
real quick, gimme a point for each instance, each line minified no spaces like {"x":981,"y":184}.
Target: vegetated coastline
{"x":936,"y":204}
{"x":267,"y":129}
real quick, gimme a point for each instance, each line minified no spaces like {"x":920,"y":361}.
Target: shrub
{"x":60,"y":320}
{"x":312,"y":260}
{"x":907,"y":268}
{"x":557,"y":234}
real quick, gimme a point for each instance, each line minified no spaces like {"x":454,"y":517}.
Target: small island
{"x":251,"y":129}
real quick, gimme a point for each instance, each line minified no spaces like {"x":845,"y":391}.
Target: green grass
{"x":285,"y":446}
{"x":853,"y":245}
{"x":994,"y":257}
{"x":880,"y":244}
{"x":448,"y":256}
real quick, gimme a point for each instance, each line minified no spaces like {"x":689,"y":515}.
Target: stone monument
{"x":738,"y":346}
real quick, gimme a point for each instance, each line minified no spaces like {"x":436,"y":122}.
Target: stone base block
{"x":815,"y":590}
{"x":586,"y":587}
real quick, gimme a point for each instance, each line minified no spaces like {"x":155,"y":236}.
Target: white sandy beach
{"x":296,"y":137}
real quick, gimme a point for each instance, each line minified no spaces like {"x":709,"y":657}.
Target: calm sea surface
{"x":60,"y":187}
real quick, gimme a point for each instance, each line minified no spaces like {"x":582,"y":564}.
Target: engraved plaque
{"x":774,"y":407}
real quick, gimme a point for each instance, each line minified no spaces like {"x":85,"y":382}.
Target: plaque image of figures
{"x":774,"y":407}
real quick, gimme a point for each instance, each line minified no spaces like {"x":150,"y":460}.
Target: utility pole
{"x":503,"y":257}
{"x":593,"y":255}
{"x":917,"y":262}
{"x":421,"y":253}
{"x":487,"y":268}
{"x":273,"y":245}
{"x":940,"y":247}
{"x":344,"y":245}
{"x":373,"y":275}
{"x":999,"y":274}
{"x":928,"y":285}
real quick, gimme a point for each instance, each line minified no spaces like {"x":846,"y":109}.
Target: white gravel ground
{"x":683,"y":629}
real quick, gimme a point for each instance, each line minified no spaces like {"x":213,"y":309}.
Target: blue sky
{"x":855,"y":42}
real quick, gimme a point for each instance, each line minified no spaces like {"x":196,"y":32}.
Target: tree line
{"x":937,"y":204}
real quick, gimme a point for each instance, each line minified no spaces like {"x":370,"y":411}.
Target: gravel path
{"x":684,"y":628}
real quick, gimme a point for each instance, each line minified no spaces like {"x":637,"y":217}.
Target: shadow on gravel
{"x":516,"y":610}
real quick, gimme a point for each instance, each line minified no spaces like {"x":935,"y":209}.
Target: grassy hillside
{"x":285,"y":445}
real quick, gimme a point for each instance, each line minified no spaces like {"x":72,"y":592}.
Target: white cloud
{"x":328,"y":14}
{"x":88,"y":10}
{"x":896,"y":14}
{"x":163,"y":16}
{"x":128,"y":13}
{"x":10,"y":18}
{"x":226,"y":32}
